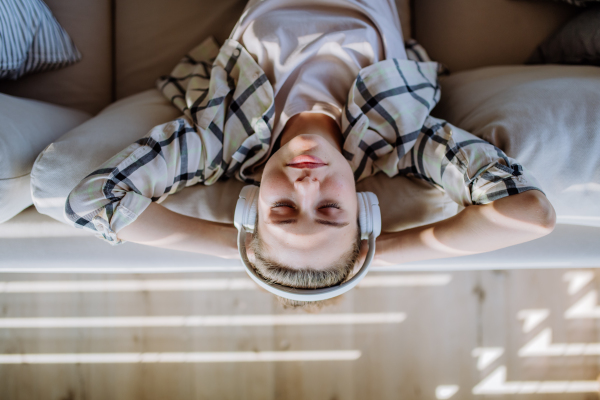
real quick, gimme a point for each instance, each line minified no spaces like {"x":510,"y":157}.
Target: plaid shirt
{"x":226,"y":131}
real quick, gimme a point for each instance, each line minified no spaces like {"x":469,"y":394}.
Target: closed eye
{"x":281,"y":204}
{"x":293,"y":207}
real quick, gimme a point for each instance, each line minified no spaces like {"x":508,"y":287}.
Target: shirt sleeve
{"x":469,"y":169}
{"x":163,"y":162}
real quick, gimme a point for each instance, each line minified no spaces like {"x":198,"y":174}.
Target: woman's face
{"x":307,"y":204}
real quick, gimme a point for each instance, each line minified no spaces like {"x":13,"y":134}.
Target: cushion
{"x":578,"y":42}
{"x":580,"y":3}
{"x":404,"y":12}
{"x":26,"y":127}
{"x":32,"y":40}
{"x":404,"y":202}
{"x":547,"y":117}
{"x":153,"y":35}
{"x":465,"y":34}
{"x":86,"y":85}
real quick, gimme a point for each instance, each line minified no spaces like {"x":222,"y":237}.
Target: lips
{"x":306,"y":161}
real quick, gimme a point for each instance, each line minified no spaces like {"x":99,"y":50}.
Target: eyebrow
{"x":318,"y":221}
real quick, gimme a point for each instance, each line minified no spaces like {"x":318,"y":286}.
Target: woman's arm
{"x":477,"y":229}
{"x":169,"y":158}
{"x":160,"y":227}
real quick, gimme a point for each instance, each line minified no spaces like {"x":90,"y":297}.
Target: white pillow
{"x":32,"y":40}
{"x":547,"y":117}
{"x":26,"y":127}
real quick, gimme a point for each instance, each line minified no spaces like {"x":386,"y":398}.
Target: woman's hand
{"x":477,"y":229}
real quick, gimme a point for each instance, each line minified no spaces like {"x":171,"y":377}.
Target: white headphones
{"x":369,"y":219}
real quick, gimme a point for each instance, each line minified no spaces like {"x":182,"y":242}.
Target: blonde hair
{"x":303,"y":278}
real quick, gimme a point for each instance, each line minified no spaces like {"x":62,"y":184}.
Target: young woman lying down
{"x":305,"y":99}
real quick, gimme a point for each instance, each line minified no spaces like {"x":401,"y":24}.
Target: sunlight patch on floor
{"x":199,"y":284}
{"x":207,"y":320}
{"x":209,"y":357}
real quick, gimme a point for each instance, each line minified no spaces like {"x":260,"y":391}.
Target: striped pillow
{"x":31,"y":40}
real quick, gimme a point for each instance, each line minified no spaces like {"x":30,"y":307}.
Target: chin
{"x":314,"y":145}
{"x":307,"y":140}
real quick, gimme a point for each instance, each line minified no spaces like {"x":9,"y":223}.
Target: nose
{"x":307,"y":188}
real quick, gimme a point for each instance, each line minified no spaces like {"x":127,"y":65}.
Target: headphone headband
{"x":369,"y":218}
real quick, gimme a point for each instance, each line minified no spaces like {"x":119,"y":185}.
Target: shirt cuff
{"x":129,"y":208}
{"x":498,"y":181}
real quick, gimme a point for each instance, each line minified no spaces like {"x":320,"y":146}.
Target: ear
{"x":249,"y":251}
{"x":362,"y":256}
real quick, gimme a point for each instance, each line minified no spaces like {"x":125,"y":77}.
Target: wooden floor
{"x":528,"y":334}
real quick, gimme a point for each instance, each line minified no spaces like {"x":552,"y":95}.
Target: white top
{"x":312,"y":50}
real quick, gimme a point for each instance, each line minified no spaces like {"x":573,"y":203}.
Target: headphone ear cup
{"x":362,"y":216}
{"x":372,"y":203}
{"x":252,"y":211}
{"x":369,"y":216}
{"x":246,"y":208}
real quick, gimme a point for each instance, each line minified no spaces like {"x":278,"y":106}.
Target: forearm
{"x":120,"y":190}
{"x":160,"y":227}
{"x":476,"y":229}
